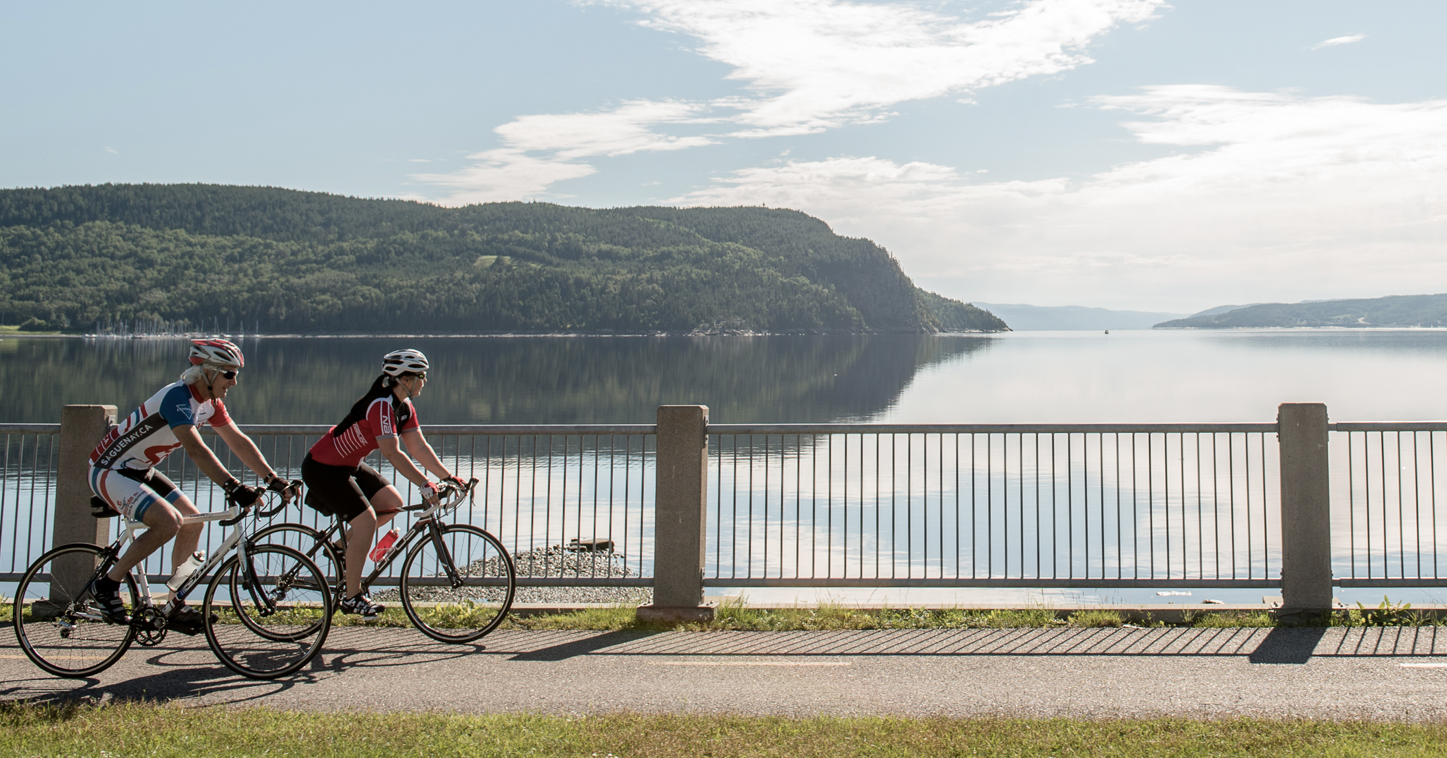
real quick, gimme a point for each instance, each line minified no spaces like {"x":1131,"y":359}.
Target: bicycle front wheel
{"x":457,"y":583}
{"x":57,"y":621}
{"x":308,"y":542}
{"x":273,"y":615}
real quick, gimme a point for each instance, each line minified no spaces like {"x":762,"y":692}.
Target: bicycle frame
{"x":233,"y":516}
{"x":428,"y":520}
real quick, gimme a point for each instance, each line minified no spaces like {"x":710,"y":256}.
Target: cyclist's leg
{"x":385,"y":500}
{"x":360,"y":530}
{"x":136,"y":501}
{"x":189,"y":535}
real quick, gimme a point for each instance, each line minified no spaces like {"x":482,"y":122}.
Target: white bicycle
{"x":266,"y":606}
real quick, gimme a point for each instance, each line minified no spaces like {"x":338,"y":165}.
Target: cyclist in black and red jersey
{"x":123,"y":468}
{"x":340,"y":484}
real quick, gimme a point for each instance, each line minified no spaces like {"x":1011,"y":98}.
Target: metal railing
{"x":27,"y":494}
{"x":870,"y":505}
{"x":1385,"y":507}
{"x":993,"y":505}
{"x":573,"y":504}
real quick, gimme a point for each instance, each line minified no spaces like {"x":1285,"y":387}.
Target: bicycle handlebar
{"x":294,"y":488}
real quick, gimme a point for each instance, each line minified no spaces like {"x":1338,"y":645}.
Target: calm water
{"x":1062,"y":377}
{"x":1131,"y":376}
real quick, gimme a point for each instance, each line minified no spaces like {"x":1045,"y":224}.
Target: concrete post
{"x":81,"y":429}
{"x":680,"y":500}
{"x":1305,"y":508}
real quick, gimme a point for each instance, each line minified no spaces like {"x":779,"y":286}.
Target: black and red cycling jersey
{"x":358,"y":441}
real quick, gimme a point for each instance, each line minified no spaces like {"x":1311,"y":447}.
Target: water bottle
{"x":383,"y":545}
{"x":185,"y":570}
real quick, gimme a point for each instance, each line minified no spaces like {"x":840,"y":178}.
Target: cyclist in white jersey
{"x":123,"y":468}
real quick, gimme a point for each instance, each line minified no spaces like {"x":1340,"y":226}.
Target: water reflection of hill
{"x":500,"y":381}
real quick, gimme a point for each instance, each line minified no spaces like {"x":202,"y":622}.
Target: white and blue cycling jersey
{"x":145,"y":437}
{"x":143,"y":440}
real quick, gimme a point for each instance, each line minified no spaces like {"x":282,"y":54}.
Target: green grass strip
{"x":142,"y":729}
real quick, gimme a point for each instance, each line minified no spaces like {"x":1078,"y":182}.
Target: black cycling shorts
{"x":339,"y":490}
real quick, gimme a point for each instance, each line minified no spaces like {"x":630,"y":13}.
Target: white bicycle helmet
{"x":220,"y":354}
{"x":399,"y":362}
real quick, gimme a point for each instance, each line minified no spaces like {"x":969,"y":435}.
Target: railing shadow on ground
{"x":1277,"y":645}
{"x":186,"y":673}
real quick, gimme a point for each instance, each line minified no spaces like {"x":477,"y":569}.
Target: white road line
{"x":750,"y":663}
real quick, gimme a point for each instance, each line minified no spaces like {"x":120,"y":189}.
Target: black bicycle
{"x":268,"y":602}
{"x":457,"y":581}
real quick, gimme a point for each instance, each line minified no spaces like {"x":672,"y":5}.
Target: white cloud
{"x":503,"y":174}
{"x":818,"y":64}
{"x":1347,"y":40}
{"x":111,"y":150}
{"x":1273,"y":196}
{"x":810,"y":65}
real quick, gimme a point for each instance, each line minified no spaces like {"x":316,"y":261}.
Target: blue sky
{"x":1114,"y":153}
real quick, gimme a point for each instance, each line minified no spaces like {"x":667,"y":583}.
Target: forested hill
{"x":307,"y":262}
{"x":1394,"y":311}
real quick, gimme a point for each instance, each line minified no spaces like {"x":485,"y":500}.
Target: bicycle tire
{"x":458,"y":613}
{"x":308,"y":541}
{"x":72,"y":641}
{"x":294,"y":584}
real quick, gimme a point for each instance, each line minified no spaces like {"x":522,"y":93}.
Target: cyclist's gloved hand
{"x":456,"y":481}
{"x":241,"y":494}
{"x":277,"y":484}
{"x":429,"y":493}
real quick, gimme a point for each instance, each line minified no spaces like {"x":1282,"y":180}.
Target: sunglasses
{"x":229,"y":374}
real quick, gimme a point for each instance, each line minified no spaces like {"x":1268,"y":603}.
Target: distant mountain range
{"x":1393,"y":311}
{"x":1038,"y":318}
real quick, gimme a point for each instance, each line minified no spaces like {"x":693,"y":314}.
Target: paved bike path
{"x":1392,"y":673}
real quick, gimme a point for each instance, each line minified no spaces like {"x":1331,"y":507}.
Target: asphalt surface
{"x":1387,"y":674}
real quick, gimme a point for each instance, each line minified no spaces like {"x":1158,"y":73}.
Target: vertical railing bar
{"x":1119,"y":531}
{"x":893,"y":505}
{"x":958,"y":514}
{"x":1039,"y":547}
{"x":1265,"y":512}
{"x":990,"y":503}
{"x":1351,"y":509}
{"x":1200,"y":516}
{"x":943,"y":573}
{"x":1216,"y":502}
{"x":1250,"y":543}
{"x":1431,"y":460}
{"x":4,"y":501}
{"x":1069,"y":505}
{"x":1151,"y":496}
{"x":1135,"y":516}
{"x":974,"y":509}
{"x":814,"y":504}
{"x":765,"y":548}
{"x":1417,"y":501}
{"x":1401,"y":514}
{"x":1386,"y":550}
{"x":908,"y":500}
{"x":1054,"y":511}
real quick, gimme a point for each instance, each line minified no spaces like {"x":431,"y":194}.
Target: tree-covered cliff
{"x":306,"y":262}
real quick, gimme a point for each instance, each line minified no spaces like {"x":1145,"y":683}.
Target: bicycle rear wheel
{"x":273,"y":619}
{"x":57,"y":621}
{"x":457,"y":585}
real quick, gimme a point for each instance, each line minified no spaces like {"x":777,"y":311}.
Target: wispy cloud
{"x":819,"y":64}
{"x":1317,"y":197}
{"x":1347,"y":40}
{"x":110,"y":150}
{"x":807,"y":66}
